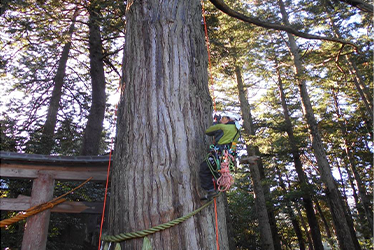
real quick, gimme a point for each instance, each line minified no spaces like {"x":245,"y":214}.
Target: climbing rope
{"x":209,"y":59}
{"x":146,"y":232}
{"x":39,"y":208}
{"x":225,"y":181}
{"x":221,"y":173}
{"x":214,"y":171}
{"x":107,"y":179}
{"x":24,"y":215}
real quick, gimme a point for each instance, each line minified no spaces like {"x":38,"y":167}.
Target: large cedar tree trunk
{"x":164,"y":110}
{"x":347,"y":240}
{"x":94,"y":127}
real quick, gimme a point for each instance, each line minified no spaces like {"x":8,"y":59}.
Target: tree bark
{"x":291,"y":213}
{"x":365,"y":201}
{"x":92,"y":135}
{"x":347,"y":241}
{"x":46,"y":141}
{"x":267,"y":234}
{"x":164,"y":110}
{"x":307,"y":197}
{"x":325,"y":223}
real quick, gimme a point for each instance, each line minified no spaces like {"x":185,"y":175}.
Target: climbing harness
{"x":220,"y":164}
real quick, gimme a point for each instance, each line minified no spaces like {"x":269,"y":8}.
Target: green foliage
{"x":264,"y":58}
{"x":243,"y":216}
{"x":33,"y":34}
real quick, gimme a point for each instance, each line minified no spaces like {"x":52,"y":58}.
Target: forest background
{"x":60,"y":74}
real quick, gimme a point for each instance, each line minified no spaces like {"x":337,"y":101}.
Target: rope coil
{"x":226,"y":180}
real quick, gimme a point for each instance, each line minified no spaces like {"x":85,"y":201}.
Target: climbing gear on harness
{"x":221,"y":162}
{"x":226,"y":180}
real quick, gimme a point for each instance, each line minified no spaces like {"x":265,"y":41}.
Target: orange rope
{"x":215,"y":211}
{"x":106,"y":192}
{"x":120,"y":87}
{"x":39,"y":208}
{"x":209,"y":60}
{"x":216,"y":217}
{"x":215,"y":107}
{"x":29,"y":212}
{"x":106,"y":184}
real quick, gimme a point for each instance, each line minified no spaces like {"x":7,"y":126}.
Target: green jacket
{"x":230,"y":133}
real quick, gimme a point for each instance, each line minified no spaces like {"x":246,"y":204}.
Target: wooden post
{"x":36,"y":229}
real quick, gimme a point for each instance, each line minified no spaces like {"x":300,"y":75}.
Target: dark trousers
{"x":207,"y":180}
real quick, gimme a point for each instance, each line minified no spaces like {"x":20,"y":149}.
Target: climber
{"x":226,"y":134}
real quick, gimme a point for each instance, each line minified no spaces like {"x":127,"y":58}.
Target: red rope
{"x":215,"y":108}
{"x":216,"y":217}
{"x":209,"y":60}
{"x":106,"y":184}
{"x":217,"y":233}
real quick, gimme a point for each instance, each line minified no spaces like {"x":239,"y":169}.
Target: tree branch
{"x":220,"y":4}
{"x":360,"y":5}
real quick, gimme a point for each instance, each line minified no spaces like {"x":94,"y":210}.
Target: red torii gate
{"x":44,"y":170}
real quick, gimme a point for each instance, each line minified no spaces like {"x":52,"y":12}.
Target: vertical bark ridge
{"x":164,"y":110}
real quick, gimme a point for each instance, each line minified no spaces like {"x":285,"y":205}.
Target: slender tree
{"x":365,"y":201}
{"x":356,"y":76}
{"x":307,"y":198}
{"x":291,"y":213}
{"x":92,"y":135}
{"x":343,"y":231}
{"x":267,"y":235}
{"x":47,"y":141}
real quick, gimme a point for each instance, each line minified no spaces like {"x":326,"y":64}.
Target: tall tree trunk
{"x":92,"y":135}
{"x":302,"y":221}
{"x":307,"y":197}
{"x":352,"y":163}
{"x":325,"y":223}
{"x":347,"y":241}
{"x":47,"y":141}
{"x":266,"y":232}
{"x":291,"y":213}
{"x":357,"y":78}
{"x":164,"y":110}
